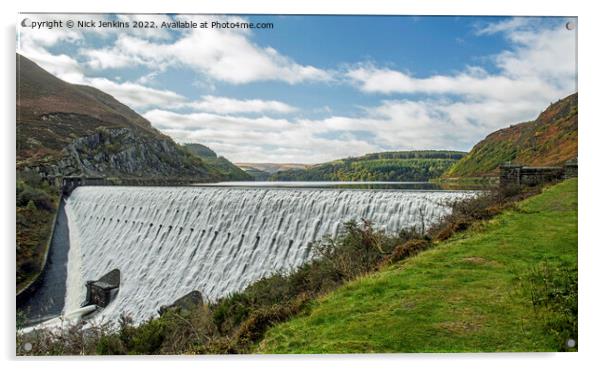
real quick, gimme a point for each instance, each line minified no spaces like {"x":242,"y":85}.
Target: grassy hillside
{"x":549,"y":140}
{"x":385,"y":166}
{"x":226,"y":167}
{"x":506,"y":285}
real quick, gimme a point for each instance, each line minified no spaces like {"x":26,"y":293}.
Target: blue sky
{"x":318,"y":88}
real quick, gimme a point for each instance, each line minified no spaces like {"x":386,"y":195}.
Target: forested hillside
{"x":385,"y":166}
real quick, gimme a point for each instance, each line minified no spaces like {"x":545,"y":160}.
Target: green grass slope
{"x":472,"y":293}
{"x":226,"y":167}
{"x":385,"y":166}
{"x":549,"y":140}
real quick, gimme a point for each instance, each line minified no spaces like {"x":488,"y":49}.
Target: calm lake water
{"x":376,"y":185}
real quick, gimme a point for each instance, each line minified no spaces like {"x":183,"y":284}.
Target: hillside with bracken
{"x":549,"y":140}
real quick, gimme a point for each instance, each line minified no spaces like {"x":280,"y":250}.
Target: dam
{"x":169,"y":241}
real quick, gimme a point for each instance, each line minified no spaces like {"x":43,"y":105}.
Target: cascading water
{"x":168,"y":241}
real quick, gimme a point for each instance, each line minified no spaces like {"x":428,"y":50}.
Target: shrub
{"x":358,"y":251}
{"x":41,"y":199}
{"x":185,"y":330}
{"x":110,"y":345}
{"x":553,"y":288}
{"x":77,"y":339}
{"x":229,"y":312}
{"x":148,"y":337}
{"x":410,"y":248}
{"x":254,"y":327}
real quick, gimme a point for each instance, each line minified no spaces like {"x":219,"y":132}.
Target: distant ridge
{"x":418,"y":165}
{"x":272,"y":167}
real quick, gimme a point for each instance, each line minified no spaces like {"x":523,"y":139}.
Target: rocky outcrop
{"x":121,"y":152}
{"x":187,"y":302}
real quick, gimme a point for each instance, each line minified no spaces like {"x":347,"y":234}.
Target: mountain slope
{"x":51,"y":112}
{"x":68,"y":129}
{"x":385,"y":166}
{"x":226,"y":167}
{"x":549,"y":140}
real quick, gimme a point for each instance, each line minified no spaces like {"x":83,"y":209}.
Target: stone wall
{"x":570,"y":169}
{"x":517,"y":175}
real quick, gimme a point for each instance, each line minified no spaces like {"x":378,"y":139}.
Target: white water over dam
{"x":168,"y":241}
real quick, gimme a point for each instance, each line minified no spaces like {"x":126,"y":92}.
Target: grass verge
{"x":507,"y":284}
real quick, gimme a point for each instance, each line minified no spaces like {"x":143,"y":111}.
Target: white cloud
{"x":437,"y":123}
{"x":135,"y":95}
{"x":261,"y":138}
{"x":62,"y":66}
{"x":156,"y":33}
{"x":374,"y":80}
{"x":393,"y":125}
{"x":547,"y":54}
{"x":226,"y":55}
{"x":225,"y":105}
{"x":504,"y":26}
{"x":33,"y":43}
{"x":540,"y":64}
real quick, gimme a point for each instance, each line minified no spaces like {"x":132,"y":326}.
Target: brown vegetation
{"x":549,"y":140}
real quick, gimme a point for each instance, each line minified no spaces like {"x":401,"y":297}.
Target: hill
{"x":65,"y":129}
{"x":222,"y":164}
{"x":263,"y":171}
{"x":549,"y":140}
{"x":257,"y":174}
{"x":272,"y":167}
{"x":480,"y":291}
{"x":385,"y":166}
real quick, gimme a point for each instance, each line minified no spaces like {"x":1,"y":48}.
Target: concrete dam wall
{"x":169,"y":241}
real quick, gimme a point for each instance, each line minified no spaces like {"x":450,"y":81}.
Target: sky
{"x":312,"y":89}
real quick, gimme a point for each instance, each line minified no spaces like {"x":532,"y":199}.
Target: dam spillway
{"x":168,"y":241}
